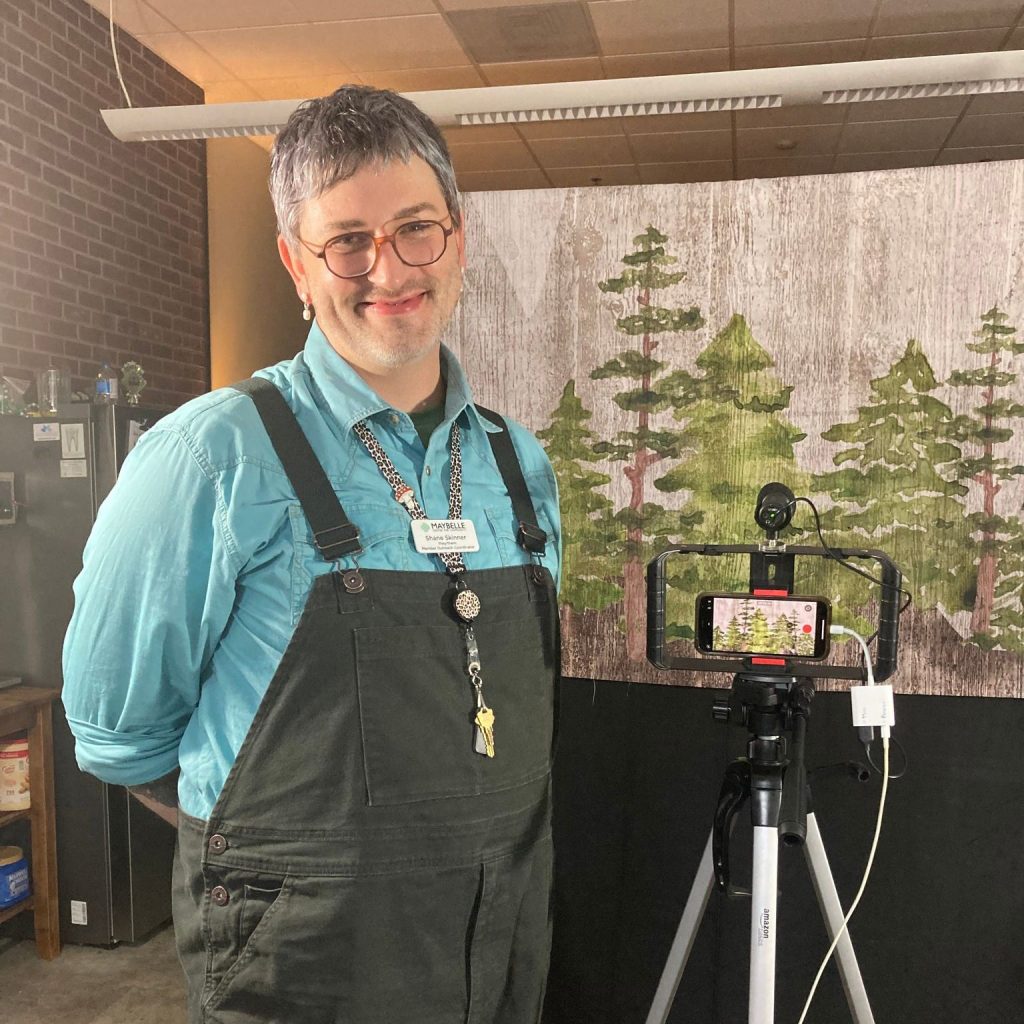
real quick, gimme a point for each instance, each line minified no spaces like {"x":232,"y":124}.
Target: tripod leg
{"x":764,"y":896}
{"x":832,"y":911}
{"x":696,"y":904}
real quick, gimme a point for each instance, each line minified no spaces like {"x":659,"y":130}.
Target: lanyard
{"x":466,"y":603}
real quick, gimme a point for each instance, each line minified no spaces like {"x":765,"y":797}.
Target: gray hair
{"x":327,"y":140}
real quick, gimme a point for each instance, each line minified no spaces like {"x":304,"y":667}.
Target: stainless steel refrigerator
{"x":114,"y":857}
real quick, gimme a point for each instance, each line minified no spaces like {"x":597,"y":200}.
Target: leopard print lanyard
{"x":466,"y":603}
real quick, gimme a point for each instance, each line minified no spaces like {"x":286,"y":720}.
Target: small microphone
{"x":774,"y":509}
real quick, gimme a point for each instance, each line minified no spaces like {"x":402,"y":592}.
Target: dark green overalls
{"x":363,"y":865}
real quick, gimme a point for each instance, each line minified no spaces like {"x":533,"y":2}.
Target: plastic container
{"x":107,"y":384}
{"x":14,"y":885}
{"x":53,"y":389}
{"x":14,"y":787}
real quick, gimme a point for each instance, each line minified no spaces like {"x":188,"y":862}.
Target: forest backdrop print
{"x":857,"y":337}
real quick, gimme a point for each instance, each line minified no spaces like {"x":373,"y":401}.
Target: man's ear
{"x":293,"y":264}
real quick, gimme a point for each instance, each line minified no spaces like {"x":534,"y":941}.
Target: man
{"x":330,"y":599}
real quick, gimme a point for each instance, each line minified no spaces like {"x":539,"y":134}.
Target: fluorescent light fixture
{"x":961,"y":74}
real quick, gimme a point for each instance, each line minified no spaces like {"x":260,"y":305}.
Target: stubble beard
{"x":399,"y":345}
{"x":401,"y":349}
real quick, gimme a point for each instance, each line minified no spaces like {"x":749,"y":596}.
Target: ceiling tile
{"x":784,"y":117}
{"x":893,"y":136}
{"x":647,"y":65}
{"x":934,"y":43}
{"x":425,"y":79}
{"x":581,"y":152}
{"x":989,"y":130}
{"x":980,"y":153}
{"x":299,"y":88}
{"x":997,"y":103}
{"x":380,"y":44}
{"x":583,"y":69}
{"x":811,"y":140}
{"x":659,"y":26}
{"x":472,"y":5}
{"x":202,"y":15}
{"x":587,"y":127}
{"x":685,"y":173}
{"x":476,"y":133}
{"x":192,"y":60}
{"x":906,"y":17}
{"x":778,"y":167}
{"x":492,"y":156}
{"x":539,"y":32}
{"x":497,"y":181}
{"x":235,"y":91}
{"x":589,"y":177}
{"x":395,"y":44}
{"x":894,"y":110}
{"x":796,"y":54}
{"x":845,"y":162}
{"x":759,"y":22}
{"x":681,"y":147}
{"x":135,"y":16}
{"x":653,"y":124}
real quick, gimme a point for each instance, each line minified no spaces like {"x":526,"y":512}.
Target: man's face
{"x":394,"y":315}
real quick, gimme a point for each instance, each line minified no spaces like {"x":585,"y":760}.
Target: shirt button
{"x":218,"y":844}
{"x":394,"y":419}
{"x":427,"y":471}
{"x":219,"y":895}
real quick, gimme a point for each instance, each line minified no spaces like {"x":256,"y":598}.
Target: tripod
{"x":769,"y":706}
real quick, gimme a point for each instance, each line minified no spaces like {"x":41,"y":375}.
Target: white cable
{"x":843,"y":631}
{"x":117,"y":63}
{"x":863,"y":884}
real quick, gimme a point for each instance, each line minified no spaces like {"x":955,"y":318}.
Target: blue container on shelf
{"x":13,"y":876}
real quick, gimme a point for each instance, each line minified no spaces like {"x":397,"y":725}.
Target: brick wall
{"x":103,"y":252}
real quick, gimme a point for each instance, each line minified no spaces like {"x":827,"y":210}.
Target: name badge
{"x":434,"y":536}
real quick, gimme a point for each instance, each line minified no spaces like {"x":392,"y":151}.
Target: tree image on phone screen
{"x":756,"y":626}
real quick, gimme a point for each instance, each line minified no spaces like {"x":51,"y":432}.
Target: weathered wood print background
{"x":859,"y":337}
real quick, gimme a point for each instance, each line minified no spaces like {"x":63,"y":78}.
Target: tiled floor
{"x":139,"y":984}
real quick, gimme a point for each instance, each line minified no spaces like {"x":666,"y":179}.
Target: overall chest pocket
{"x":417,"y":705}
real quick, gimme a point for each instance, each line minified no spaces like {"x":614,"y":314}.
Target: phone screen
{"x":782,"y":626}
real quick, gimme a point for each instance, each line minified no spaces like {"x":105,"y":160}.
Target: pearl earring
{"x":307,"y":312}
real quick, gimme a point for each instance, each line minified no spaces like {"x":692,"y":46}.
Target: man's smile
{"x":392,"y":307}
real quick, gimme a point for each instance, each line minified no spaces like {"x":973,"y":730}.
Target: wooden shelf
{"x":27,"y":710}
{"x":7,"y":817}
{"x":6,"y":915}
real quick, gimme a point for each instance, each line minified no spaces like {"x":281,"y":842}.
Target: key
{"x":484,"y":739}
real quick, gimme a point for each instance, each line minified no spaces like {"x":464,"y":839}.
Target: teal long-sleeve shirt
{"x":201,"y":559}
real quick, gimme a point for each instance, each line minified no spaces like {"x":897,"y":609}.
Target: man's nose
{"x":387,"y":267}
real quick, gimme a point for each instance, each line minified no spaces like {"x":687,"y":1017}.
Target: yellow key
{"x":485,"y":731}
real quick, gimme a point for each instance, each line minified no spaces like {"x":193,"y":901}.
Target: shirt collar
{"x":351,"y":399}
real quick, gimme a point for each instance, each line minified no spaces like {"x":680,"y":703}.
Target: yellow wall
{"x":254,"y":312}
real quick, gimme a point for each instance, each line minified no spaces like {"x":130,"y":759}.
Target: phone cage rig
{"x":772,"y":566}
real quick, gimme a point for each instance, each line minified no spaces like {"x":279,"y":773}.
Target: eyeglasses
{"x":417,"y":243}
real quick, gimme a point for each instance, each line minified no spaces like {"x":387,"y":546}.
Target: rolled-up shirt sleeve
{"x":155,"y":593}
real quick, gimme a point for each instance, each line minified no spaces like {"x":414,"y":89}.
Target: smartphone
{"x":782,"y":627}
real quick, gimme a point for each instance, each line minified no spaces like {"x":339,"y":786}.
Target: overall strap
{"x":529,"y":536}
{"x":333,"y":534}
